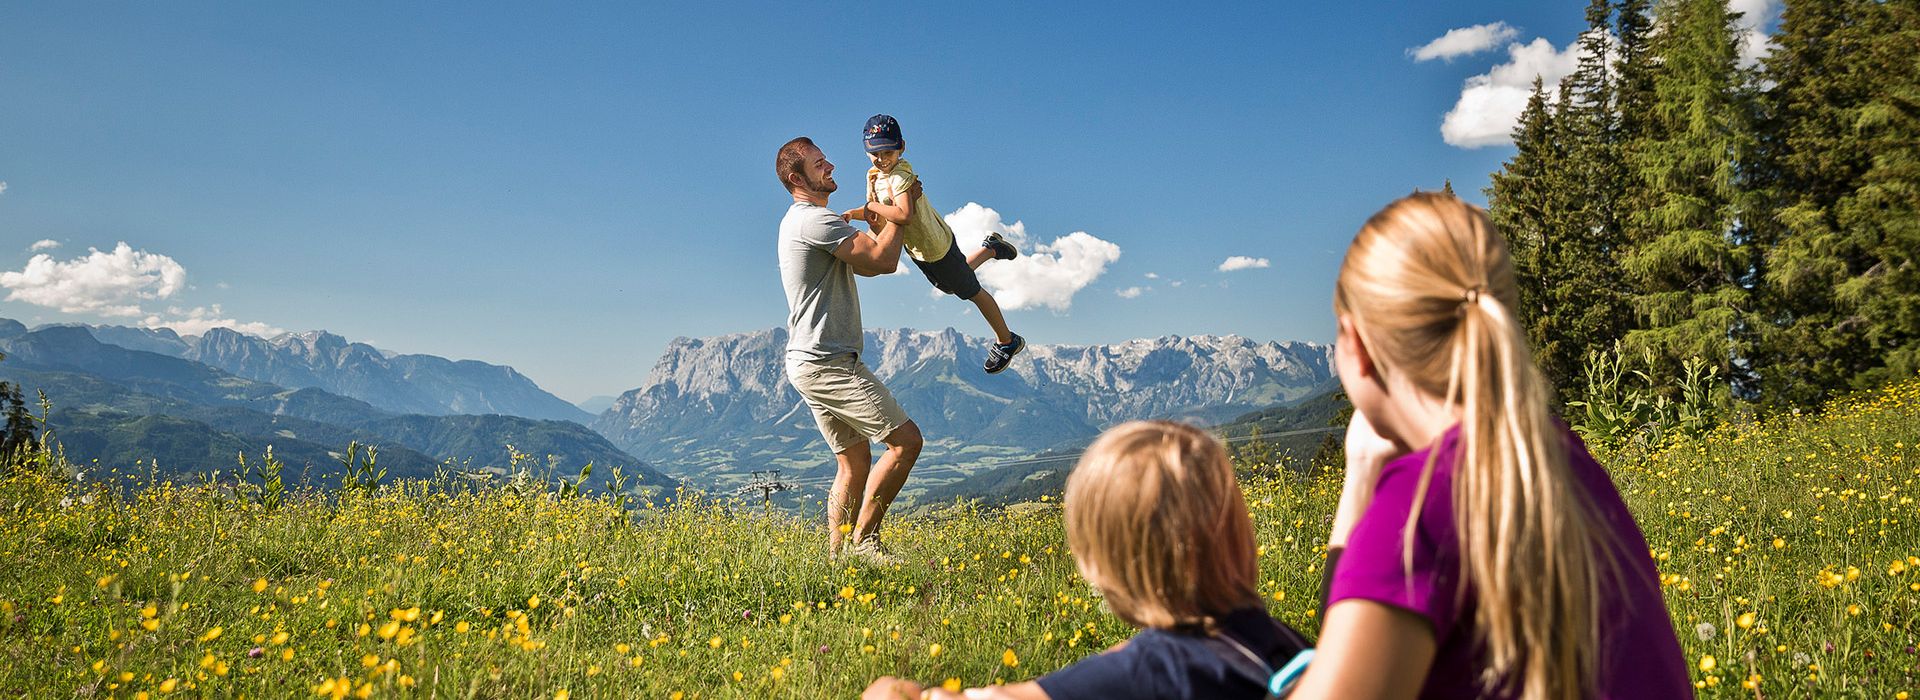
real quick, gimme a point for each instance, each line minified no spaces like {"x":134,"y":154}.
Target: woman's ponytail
{"x":1431,"y":279}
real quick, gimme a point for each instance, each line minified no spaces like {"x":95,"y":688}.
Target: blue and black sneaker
{"x":1002,"y":353}
{"x":1002,"y":250}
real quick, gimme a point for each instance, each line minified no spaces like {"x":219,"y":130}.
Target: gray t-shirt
{"x":823,"y":305}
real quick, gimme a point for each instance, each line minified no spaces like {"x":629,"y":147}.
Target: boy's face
{"x":885,"y":160}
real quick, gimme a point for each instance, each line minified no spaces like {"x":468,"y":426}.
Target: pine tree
{"x":16,"y":435}
{"x":1839,"y":169}
{"x":1884,"y":213}
{"x":1687,"y":252}
{"x":1521,"y":201}
{"x":1633,"y":90}
{"x":1585,"y":289}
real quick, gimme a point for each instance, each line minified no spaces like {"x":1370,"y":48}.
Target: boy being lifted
{"x":928,"y":240}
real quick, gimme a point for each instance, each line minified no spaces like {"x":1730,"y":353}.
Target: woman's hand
{"x":890,"y":688}
{"x":1366,"y":453}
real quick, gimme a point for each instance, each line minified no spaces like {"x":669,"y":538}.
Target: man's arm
{"x":872,"y":254}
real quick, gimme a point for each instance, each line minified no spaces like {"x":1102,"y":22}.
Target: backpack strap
{"x":1251,"y":666}
{"x":1242,"y":660}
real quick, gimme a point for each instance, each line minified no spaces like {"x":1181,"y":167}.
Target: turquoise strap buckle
{"x":1290,"y":673}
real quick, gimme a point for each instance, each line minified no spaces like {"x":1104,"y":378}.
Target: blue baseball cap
{"x":883,"y":134}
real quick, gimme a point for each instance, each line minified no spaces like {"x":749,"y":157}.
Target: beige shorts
{"x":848,"y":402}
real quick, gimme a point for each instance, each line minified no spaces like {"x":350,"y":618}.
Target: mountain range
{"x":422,"y":384}
{"x":136,"y":409}
{"x":714,"y":409}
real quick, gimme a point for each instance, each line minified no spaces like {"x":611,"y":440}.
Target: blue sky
{"x":565,"y":190}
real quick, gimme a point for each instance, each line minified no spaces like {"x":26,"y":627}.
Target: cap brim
{"x":874,"y":145}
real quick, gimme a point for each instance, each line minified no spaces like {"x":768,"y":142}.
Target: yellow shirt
{"x":926,"y":234}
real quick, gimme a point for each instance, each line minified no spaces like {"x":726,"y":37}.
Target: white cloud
{"x":3,"y":186}
{"x":200,"y":319}
{"x":1755,"y":15}
{"x":1153,"y":275}
{"x":102,"y":283}
{"x":1464,"y":41}
{"x":1131,"y":292}
{"x":1045,"y":274}
{"x":1242,"y":262}
{"x":118,"y":284}
{"x":1491,"y":103}
{"x":43,"y":244}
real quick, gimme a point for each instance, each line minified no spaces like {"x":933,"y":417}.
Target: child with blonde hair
{"x":1478,"y":550}
{"x":1156,"y":521}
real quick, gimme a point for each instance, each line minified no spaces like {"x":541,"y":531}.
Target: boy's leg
{"x":953,"y":274}
{"x":994,"y":248}
{"x":903,"y":449}
{"x":843,"y":502}
{"x":979,"y":257}
{"x":990,"y":310}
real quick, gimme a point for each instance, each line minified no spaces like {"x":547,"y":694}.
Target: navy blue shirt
{"x":1164,"y":664}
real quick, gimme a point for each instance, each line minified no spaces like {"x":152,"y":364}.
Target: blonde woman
{"x":1157,"y":523}
{"x":1478,"y":551}
{"x":1481,"y":552}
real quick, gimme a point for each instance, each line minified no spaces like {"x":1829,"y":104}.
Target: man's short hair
{"x":791,"y":159}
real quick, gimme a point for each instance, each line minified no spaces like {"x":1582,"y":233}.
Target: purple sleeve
{"x":1372,"y":569}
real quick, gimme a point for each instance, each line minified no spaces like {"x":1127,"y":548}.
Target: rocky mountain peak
{"x":422,"y":384}
{"x":707,"y":393}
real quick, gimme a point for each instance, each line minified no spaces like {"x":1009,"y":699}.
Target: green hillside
{"x":172,"y":447}
{"x":108,"y":399}
{"x":1284,"y":437}
{"x":1788,"y":550}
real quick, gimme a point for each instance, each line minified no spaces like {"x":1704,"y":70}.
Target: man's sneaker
{"x":873,"y":553}
{"x":1002,"y":250}
{"x":1002,"y":353}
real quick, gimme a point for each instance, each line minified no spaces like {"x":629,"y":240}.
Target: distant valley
{"x":711,"y":412}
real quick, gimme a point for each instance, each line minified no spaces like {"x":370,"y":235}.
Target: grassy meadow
{"x":1789,"y":551}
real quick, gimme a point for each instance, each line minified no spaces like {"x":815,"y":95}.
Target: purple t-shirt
{"x":1640,"y":656}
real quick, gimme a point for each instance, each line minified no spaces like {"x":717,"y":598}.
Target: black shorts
{"x":951,"y":273}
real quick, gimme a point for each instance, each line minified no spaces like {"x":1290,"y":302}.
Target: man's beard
{"x":823,"y":186}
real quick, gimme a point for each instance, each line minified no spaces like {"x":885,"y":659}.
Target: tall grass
{"x":1788,"y":551}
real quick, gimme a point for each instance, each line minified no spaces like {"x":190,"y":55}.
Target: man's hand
{"x":914,"y":192}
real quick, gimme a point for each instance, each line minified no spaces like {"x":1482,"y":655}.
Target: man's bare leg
{"x":843,"y":501}
{"x":903,"y":449}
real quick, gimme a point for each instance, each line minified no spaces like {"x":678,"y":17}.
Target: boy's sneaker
{"x":1002,"y":250}
{"x":1002,"y":353}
